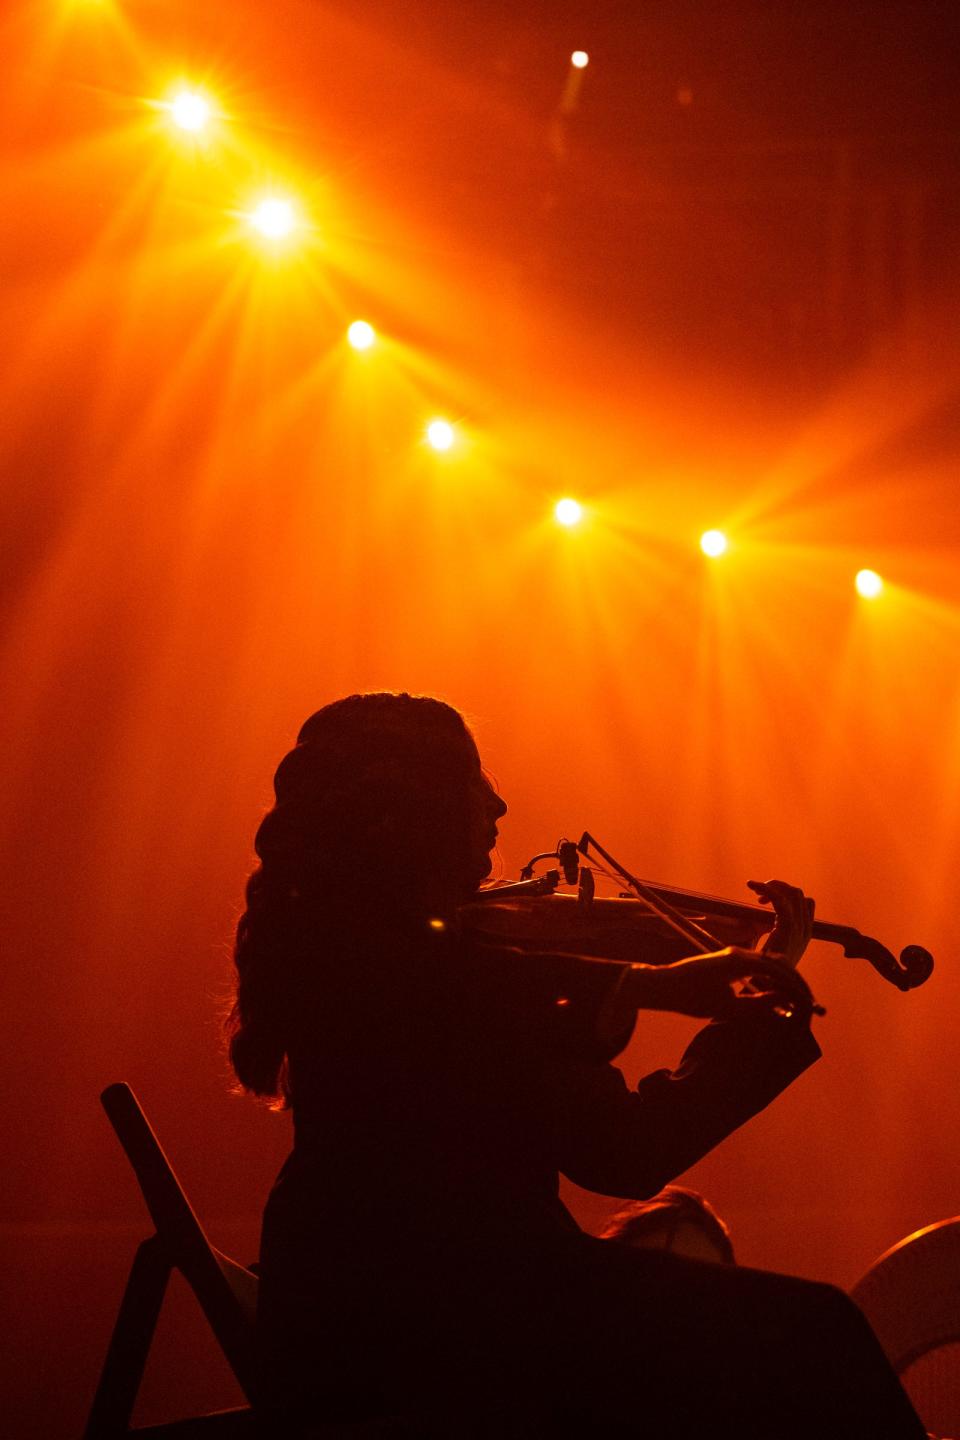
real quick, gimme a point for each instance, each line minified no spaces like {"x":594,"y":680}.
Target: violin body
{"x":605,"y":928}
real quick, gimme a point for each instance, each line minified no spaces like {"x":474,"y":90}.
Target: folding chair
{"x":227,"y":1293}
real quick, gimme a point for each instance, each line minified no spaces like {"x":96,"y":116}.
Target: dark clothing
{"x":416,"y":1256}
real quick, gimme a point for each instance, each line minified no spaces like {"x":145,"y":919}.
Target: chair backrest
{"x":911,"y":1296}
{"x":226,"y":1291}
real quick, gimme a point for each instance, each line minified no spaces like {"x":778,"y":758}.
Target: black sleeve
{"x":631,"y":1143}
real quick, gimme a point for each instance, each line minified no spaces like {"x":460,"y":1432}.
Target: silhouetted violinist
{"x":416,"y":1259}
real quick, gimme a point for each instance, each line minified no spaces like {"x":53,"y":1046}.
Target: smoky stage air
{"x":574,"y":363}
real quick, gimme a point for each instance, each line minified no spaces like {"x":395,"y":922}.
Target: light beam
{"x":440,"y":435}
{"x":869,"y":584}
{"x":274,"y":217}
{"x":361,"y":335}
{"x":713,"y":543}
{"x":190,"y":110}
{"x":568,"y":511}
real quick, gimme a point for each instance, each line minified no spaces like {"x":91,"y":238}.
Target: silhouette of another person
{"x":678,"y":1220}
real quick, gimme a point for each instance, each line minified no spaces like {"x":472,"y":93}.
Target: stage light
{"x":868,"y":584}
{"x":568,"y":512}
{"x":440,"y":434}
{"x":580,"y":59}
{"x":713,"y":543}
{"x":361,"y":335}
{"x":274,"y":218}
{"x":190,"y":111}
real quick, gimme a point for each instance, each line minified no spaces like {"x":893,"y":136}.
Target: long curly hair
{"x":372,"y":800}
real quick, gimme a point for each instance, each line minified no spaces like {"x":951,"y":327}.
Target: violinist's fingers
{"x":785,"y":998}
{"x":780,"y":895}
{"x":786,"y":1007}
{"x":776,"y":973}
{"x":794,"y":917}
{"x":707,"y":985}
{"x":766,"y":971}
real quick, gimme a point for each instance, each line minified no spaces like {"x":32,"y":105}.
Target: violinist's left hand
{"x":791,"y":933}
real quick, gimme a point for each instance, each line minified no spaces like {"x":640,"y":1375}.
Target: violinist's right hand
{"x":705,"y":986}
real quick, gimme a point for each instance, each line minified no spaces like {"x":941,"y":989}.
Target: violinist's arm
{"x":631,"y":1143}
{"x":618,"y":1141}
{"x":705,"y":985}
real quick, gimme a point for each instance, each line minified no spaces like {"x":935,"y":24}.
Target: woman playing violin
{"x":417,"y":1262}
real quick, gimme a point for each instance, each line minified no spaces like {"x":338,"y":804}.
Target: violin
{"x":649,"y":922}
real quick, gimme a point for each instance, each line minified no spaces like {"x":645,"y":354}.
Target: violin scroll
{"x":914,"y":967}
{"x":917,"y":966}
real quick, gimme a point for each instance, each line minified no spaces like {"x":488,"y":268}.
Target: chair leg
{"x":130,"y":1343}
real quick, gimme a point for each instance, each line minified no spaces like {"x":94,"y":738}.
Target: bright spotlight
{"x":868,"y":584}
{"x":274,"y":218}
{"x":361,"y":335}
{"x":440,"y":435}
{"x":568,"y":512}
{"x":190,"y":110}
{"x":580,"y":59}
{"x":713,"y":543}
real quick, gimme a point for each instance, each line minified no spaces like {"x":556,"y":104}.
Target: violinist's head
{"x":382,"y":813}
{"x":387,"y":791}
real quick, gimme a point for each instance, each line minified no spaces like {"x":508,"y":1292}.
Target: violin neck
{"x":754,"y":915}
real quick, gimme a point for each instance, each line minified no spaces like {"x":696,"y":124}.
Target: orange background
{"x":713,"y":284}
